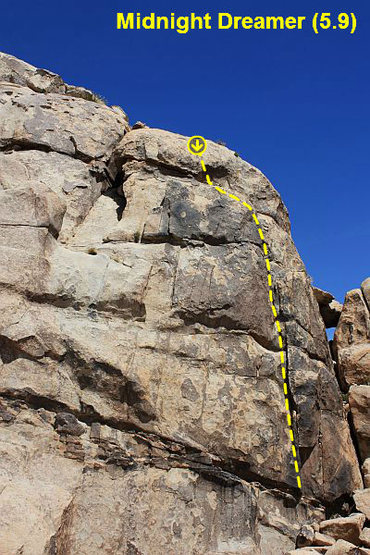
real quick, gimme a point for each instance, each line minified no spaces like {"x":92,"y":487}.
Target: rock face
{"x":359,"y":401}
{"x":352,"y":338}
{"x":142,"y":402}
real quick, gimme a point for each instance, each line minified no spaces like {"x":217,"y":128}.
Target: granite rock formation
{"x":141,"y":401}
{"x":352,"y":338}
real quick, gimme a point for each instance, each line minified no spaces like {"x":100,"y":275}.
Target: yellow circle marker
{"x":197,"y":145}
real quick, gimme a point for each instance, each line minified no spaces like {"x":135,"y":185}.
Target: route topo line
{"x":197,"y":145}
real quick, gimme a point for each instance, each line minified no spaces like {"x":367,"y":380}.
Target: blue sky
{"x":294,"y":104}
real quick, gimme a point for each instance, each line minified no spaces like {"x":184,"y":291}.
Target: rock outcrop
{"x":330,"y":309}
{"x":142,"y":404}
{"x":352,"y":339}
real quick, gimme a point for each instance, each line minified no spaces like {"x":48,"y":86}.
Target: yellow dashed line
{"x":255,"y":219}
{"x":277,"y":323}
{"x":248,"y":206}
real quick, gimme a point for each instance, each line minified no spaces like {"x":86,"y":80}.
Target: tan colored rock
{"x":365,"y":287}
{"x":330,"y":309}
{"x":138,"y":349}
{"x":37,"y":484}
{"x":354,"y":322}
{"x":356,"y":362}
{"x":346,"y":528}
{"x":352,"y":341}
{"x":124,"y":278}
{"x":305,"y":536}
{"x":149,"y":282}
{"x":13,"y":70}
{"x":322,"y":297}
{"x":342,"y":547}
{"x":323,"y":539}
{"x":78,"y":185}
{"x":72,"y":126}
{"x":306,"y":551}
{"x":359,"y":401}
{"x":362,"y":500}
{"x":366,"y":472}
{"x":273,"y":540}
{"x":31,"y":207}
{"x":91,"y":489}
{"x":365,"y":537}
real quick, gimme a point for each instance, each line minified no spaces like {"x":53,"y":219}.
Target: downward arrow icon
{"x":197,"y":145}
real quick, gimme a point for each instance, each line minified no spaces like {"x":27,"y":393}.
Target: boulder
{"x":362,"y":500}
{"x":323,"y":539}
{"x":366,"y":472}
{"x":351,"y":342}
{"x":365,"y":288}
{"x":305,"y":536}
{"x":330,"y":309}
{"x":13,"y":70}
{"x":306,"y":551}
{"x":365,"y":537}
{"x":359,"y":402}
{"x":346,"y":528}
{"x":63,"y":124}
{"x":342,"y":547}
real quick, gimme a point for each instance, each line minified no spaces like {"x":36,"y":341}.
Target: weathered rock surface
{"x":307,"y":551}
{"x":323,"y":539}
{"x":362,"y":500}
{"x":342,"y":547}
{"x":346,"y":528}
{"x":77,"y":184}
{"x":86,"y":489}
{"x":55,"y":122}
{"x":352,"y":340}
{"x":142,"y":402}
{"x":365,"y":537}
{"x":13,"y":70}
{"x":330,"y":309}
{"x":359,"y":401}
{"x":366,"y":473}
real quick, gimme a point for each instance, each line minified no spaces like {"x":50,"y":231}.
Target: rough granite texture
{"x":141,"y":401}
